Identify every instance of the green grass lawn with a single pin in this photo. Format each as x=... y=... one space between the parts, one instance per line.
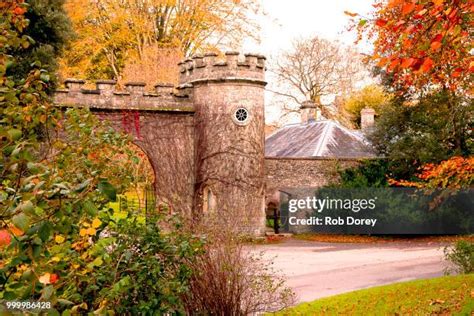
x=450 y=295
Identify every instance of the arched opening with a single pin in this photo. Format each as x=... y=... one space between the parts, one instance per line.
x=140 y=198
x=209 y=201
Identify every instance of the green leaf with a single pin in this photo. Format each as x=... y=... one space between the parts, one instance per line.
x=44 y=77
x=96 y=263
x=27 y=207
x=47 y=292
x=21 y=221
x=90 y=208
x=44 y=231
x=14 y=134
x=362 y=22
x=64 y=302
x=108 y=190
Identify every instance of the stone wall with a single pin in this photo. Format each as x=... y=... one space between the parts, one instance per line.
x=303 y=172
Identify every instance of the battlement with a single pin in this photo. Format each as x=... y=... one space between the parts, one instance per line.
x=165 y=97
x=234 y=66
x=200 y=68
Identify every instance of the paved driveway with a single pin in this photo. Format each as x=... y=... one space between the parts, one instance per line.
x=314 y=270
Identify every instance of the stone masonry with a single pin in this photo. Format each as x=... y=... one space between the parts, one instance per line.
x=204 y=138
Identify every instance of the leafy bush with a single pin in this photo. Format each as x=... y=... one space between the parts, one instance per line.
x=461 y=255
x=370 y=173
x=137 y=268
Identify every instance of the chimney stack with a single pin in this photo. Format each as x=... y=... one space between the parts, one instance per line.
x=309 y=112
x=367 y=118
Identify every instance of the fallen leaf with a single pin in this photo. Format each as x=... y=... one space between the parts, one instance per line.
x=45 y=278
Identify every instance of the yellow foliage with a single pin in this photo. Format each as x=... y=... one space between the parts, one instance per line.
x=59 y=239
x=113 y=34
x=96 y=223
x=372 y=96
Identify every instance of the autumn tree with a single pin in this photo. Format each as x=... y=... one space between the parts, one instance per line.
x=313 y=69
x=454 y=173
x=423 y=44
x=51 y=30
x=156 y=65
x=434 y=128
x=112 y=34
x=372 y=96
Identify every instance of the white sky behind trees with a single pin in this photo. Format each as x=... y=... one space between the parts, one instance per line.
x=286 y=20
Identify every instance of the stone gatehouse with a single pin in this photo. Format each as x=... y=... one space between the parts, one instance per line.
x=205 y=137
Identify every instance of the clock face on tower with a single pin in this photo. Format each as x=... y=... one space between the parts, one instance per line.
x=241 y=116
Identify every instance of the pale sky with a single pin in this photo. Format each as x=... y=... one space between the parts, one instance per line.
x=286 y=20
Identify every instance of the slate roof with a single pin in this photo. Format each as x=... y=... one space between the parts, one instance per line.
x=323 y=139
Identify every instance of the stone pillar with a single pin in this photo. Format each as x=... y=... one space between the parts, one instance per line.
x=74 y=85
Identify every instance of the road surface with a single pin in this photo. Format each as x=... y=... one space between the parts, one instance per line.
x=314 y=270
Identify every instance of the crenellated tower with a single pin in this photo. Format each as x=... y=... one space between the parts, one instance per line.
x=228 y=95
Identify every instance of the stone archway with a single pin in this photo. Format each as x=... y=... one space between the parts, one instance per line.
x=167 y=141
x=140 y=196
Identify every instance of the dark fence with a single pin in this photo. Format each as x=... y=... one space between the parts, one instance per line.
x=136 y=205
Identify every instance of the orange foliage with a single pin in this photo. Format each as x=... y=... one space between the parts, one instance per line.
x=5 y=238
x=454 y=173
x=423 y=43
x=155 y=65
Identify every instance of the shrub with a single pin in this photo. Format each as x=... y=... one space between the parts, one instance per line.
x=461 y=255
x=230 y=279
x=370 y=173
x=138 y=268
